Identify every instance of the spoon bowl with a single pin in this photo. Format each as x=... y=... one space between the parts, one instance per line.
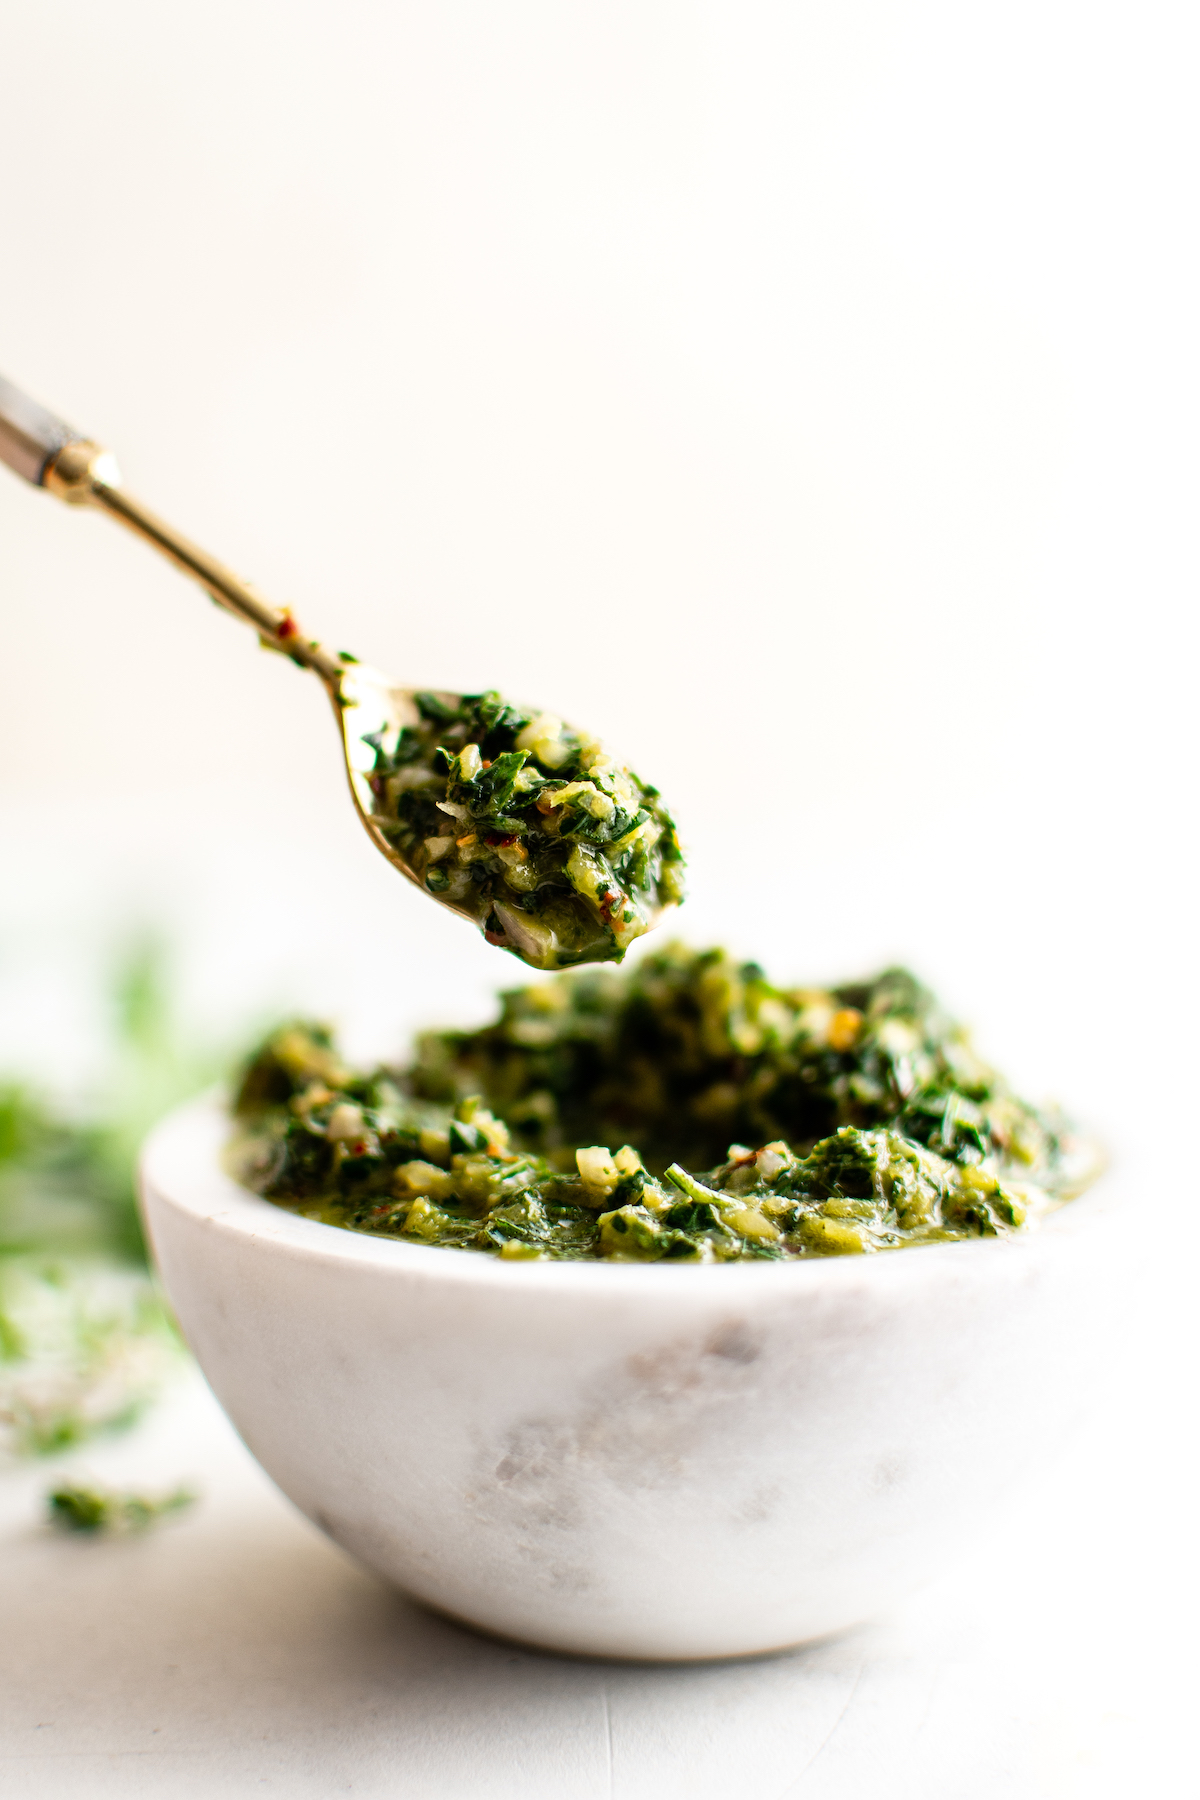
x=510 y=817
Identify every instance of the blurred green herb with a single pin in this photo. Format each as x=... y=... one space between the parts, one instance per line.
x=84 y=1340
x=74 y=1507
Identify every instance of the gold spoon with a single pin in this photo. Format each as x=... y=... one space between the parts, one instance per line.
x=549 y=886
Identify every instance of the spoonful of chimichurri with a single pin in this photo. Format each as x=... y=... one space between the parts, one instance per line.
x=511 y=818
x=501 y=812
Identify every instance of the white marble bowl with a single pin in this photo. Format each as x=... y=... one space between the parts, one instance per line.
x=634 y=1461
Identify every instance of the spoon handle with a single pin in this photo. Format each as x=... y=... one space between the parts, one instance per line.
x=43 y=450
x=30 y=437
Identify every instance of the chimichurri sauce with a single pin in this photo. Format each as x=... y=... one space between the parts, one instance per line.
x=527 y=826
x=822 y=1123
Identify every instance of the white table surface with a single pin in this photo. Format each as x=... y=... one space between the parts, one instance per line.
x=235 y=1652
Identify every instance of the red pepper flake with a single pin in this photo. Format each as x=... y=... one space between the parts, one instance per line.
x=500 y=843
x=493 y=931
x=287 y=626
x=608 y=899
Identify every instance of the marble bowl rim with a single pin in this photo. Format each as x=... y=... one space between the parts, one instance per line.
x=180 y=1162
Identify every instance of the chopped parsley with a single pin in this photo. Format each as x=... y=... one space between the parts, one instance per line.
x=526 y=826
x=877 y=1124
x=75 y=1507
x=85 y=1343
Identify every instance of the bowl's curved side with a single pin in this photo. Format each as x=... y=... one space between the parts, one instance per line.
x=633 y=1462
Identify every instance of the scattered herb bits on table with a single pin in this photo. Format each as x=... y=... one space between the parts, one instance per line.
x=822 y=1123
x=528 y=827
x=76 y=1506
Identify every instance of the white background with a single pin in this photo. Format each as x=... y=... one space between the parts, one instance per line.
x=803 y=395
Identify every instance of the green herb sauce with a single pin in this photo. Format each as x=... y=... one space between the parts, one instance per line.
x=876 y=1124
x=526 y=826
